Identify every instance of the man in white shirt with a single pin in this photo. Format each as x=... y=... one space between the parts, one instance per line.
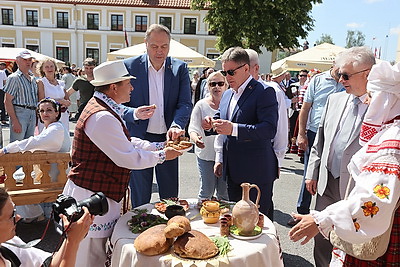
x=115 y=154
x=246 y=124
x=163 y=85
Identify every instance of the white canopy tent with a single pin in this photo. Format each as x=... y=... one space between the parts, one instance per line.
x=177 y=50
x=8 y=54
x=318 y=57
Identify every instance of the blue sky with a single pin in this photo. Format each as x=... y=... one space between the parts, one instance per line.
x=374 y=18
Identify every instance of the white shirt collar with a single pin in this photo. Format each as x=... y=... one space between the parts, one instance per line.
x=243 y=86
x=151 y=65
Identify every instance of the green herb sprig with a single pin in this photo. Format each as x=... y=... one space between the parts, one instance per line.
x=222 y=244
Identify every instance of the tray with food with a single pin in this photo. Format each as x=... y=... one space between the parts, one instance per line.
x=186 y=243
x=162 y=205
x=142 y=220
x=182 y=143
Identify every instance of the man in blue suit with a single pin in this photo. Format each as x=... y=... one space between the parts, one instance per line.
x=162 y=104
x=246 y=124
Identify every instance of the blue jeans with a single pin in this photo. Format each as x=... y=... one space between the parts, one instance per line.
x=27 y=119
x=304 y=201
x=209 y=182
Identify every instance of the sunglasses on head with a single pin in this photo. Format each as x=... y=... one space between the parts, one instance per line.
x=231 y=72
x=346 y=76
x=220 y=84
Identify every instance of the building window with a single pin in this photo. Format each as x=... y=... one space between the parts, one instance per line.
x=140 y=23
x=34 y=48
x=32 y=18
x=93 y=53
x=190 y=26
x=62 y=19
x=7 y=45
x=92 y=21
x=117 y=22
x=7 y=16
x=212 y=56
x=167 y=22
x=62 y=53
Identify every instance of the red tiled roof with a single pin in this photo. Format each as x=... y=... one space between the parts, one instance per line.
x=185 y=4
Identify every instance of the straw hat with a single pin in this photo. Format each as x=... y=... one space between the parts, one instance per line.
x=278 y=72
x=110 y=72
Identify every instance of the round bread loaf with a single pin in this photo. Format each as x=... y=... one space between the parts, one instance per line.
x=195 y=245
x=177 y=226
x=153 y=241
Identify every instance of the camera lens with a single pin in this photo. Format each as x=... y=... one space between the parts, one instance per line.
x=97 y=204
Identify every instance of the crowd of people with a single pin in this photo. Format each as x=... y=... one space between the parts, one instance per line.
x=241 y=123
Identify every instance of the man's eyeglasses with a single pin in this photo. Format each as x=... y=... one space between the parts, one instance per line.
x=346 y=76
x=14 y=216
x=231 y=72
x=220 y=84
x=303 y=75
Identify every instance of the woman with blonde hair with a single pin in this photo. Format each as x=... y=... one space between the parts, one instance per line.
x=49 y=86
x=204 y=149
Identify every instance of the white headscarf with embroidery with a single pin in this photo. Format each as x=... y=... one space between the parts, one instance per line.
x=384 y=84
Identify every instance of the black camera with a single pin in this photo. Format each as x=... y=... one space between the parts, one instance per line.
x=96 y=204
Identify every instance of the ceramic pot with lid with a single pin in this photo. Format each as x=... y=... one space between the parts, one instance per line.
x=210 y=211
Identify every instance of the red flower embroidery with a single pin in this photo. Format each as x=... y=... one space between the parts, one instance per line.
x=381 y=191
x=370 y=209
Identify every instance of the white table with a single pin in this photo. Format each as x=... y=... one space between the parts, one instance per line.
x=263 y=251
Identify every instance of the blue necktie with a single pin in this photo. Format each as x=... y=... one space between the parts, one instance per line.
x=344 y=134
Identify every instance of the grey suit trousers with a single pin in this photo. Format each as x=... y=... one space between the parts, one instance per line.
x=322 y=246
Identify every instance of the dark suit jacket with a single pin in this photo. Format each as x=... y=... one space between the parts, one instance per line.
x=249 y=157
x=177 y=93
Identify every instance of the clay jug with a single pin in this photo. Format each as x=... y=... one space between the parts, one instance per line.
x=245 y=212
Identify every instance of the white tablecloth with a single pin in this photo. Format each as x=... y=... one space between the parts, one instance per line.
x=263 y=251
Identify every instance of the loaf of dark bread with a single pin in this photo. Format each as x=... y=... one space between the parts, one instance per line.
x=195 y=245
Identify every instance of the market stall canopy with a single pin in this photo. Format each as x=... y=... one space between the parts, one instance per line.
x=177 y=50
x=318 y=57
x=8 y=54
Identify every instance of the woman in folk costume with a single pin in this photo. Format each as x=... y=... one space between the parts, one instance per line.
x=368 y=210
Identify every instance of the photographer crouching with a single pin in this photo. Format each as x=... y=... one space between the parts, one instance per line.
x=12 y=250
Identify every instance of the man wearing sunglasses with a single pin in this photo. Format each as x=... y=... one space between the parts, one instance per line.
x=337 y=138
x=319 y=88
x=246 y=123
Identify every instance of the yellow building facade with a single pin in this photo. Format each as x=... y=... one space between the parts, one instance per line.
x=73 y=30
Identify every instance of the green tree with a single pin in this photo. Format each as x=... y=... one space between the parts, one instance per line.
x=255 y=23
x=355 y=38
x=325 y=38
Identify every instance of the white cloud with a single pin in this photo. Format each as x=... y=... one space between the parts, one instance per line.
x=372 y=1
x=395 y=30
x=355 y=25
